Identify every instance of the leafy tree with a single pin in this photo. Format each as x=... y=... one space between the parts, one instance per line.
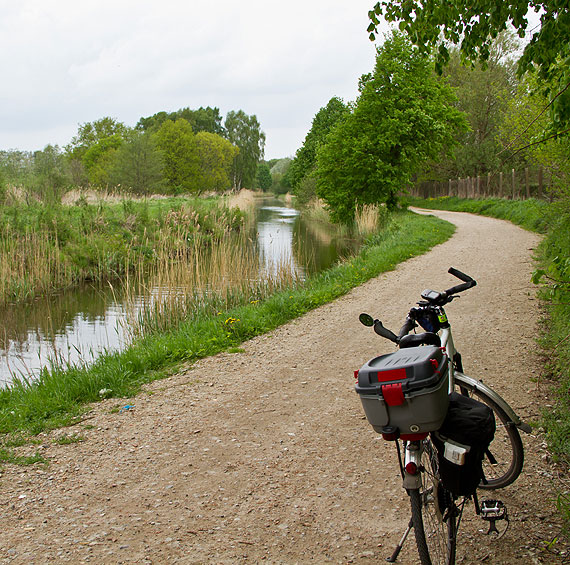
x=17 y=166
x=91 y=133
x=90 y=151
x=245 y=133
x=137 y=165
x=51 y=174
x=264 y=179
x=474 y=25
x=520 y=130
x=216 y=156
x=153 y=123
x=181 y=160
x=208 y=120
x=279 y=169
x=403 y=117
x=483 y=94
x=203 y=119
x=306 y=157
x=98 y=159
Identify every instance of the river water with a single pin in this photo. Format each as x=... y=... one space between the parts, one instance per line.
x=78 y=325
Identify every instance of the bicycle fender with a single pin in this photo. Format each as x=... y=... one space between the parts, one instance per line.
x=496 y=398
x=412 y=481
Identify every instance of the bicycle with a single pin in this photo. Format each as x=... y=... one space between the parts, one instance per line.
x=436 y=510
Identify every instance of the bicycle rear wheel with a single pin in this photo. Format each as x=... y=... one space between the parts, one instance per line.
x=434 y=513
x=504 y=459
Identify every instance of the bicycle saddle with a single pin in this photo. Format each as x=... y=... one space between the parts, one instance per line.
x=413 y=340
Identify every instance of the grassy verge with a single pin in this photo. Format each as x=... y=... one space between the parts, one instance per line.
x=530 y=214
x=59 y=397
x=553 y=276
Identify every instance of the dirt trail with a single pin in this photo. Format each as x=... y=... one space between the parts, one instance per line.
x=265 y=455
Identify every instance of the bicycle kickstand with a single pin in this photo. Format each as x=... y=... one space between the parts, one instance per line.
x=394 y=556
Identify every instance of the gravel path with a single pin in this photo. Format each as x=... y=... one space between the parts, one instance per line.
x=265 y=455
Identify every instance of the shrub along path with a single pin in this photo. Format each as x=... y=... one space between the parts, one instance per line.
x=265 y=455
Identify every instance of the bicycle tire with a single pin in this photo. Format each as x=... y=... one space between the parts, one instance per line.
x=433 y=514
x=504 y=459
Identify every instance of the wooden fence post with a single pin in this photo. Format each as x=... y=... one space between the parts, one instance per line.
x=514 y=184
x=501 y=184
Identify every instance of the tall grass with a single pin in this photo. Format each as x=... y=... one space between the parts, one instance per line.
x=203 y=278
x=315 y=211
x=369 y=218
x=58 y=397
x=46 y=248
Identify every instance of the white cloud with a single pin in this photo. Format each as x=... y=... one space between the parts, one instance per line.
x=70 y=62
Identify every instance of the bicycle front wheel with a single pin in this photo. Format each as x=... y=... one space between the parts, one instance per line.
x=434 y=513
x=503 y=461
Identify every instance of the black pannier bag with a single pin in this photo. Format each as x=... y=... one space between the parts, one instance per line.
x=461 y=442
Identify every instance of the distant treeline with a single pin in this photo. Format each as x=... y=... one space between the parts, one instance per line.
x=182 y=152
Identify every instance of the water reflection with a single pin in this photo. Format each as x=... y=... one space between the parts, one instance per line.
x=275 y=227
x=78 y=325
x=74 y=326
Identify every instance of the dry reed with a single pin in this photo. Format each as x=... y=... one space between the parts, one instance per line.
x=244 y=200
x=208 y=275
x=366 y=219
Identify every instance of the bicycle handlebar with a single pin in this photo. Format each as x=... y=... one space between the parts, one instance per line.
x=433 y=298
x=408 y=326
x=468 y=282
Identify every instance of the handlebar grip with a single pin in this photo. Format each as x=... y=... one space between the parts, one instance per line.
x=469 y=282
x=461 y=276
x=408 y=326
x=384 y=332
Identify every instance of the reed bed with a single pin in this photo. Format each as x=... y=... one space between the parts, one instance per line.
x=244 y=200
x=366 y=219
x=59 y=396
x=204 y=276
x=30 y=264
x=47 y=248
x=316 y=211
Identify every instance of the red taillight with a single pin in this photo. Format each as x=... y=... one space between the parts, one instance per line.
x=356 y=375
x=390 y=433
x=411 y=468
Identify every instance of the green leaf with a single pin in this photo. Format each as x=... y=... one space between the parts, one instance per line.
x=537 y=276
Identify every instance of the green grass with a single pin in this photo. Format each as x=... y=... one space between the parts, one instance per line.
x=59 y=396
x=8 y=456
x=531 y=214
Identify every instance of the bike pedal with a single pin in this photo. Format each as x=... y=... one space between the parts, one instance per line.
x=493 y=511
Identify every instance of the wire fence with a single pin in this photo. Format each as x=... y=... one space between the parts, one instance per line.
x=513 y=184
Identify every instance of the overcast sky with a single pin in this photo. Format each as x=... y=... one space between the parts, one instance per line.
x=67 y=62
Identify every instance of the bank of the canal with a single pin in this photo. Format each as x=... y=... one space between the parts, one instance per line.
x=59 y=395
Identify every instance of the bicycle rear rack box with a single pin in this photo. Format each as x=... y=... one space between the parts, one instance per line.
x=407 y=389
